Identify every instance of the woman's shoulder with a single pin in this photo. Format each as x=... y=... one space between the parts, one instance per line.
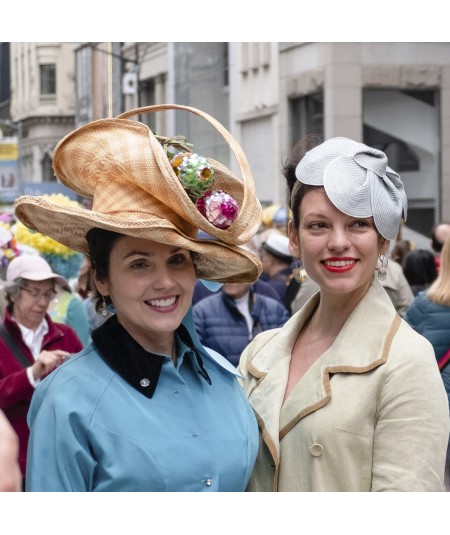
x=207 y=303
x=412 y=345
x=269 y=302
x=262 y=340
x=83 y=376
x=422 y=305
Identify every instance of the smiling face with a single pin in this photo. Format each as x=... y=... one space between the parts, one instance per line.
x=151 y=286
x=339 y=251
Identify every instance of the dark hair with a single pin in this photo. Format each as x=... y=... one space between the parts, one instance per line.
x=100 y=244
x=400 y=250
x=436 y=245
x=301 y=147
x=419 y=268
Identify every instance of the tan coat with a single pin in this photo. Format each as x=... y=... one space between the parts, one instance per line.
x=371 y=414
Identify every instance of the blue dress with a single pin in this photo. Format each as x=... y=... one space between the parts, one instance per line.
x=132 y=421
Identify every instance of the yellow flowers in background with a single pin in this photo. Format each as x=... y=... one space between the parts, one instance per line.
x=40 y=242
x=64 y=261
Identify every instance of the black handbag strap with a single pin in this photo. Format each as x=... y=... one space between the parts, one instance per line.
x=14 y=347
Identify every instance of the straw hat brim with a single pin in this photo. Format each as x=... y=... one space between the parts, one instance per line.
x=215 y=260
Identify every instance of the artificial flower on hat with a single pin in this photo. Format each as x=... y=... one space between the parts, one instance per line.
x=196 y=174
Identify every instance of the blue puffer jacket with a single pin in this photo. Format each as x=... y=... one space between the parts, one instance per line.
x=433 y=322
x=220 y=325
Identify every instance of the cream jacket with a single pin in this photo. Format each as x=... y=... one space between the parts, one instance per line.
x=371 y=414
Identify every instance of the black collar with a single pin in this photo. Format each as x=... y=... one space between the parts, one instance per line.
x=138 y=367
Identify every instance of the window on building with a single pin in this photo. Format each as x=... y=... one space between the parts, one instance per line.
x=47 y=75
x=405 y=125
x=401 y=156
x=307 y=116
x=226 y=61
x=147 y=98
x=47 y=171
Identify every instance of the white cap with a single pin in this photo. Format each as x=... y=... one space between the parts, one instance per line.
x=33 y=268
x=278 y=245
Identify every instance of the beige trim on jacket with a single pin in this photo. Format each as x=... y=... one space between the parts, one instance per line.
x=371 y=414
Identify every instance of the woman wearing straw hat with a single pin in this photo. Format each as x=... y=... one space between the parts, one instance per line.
x=347 y=396
x=146 y=407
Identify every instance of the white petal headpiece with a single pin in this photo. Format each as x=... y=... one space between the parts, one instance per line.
x=358 y=182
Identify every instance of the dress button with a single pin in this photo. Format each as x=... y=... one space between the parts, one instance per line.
x=144 y=382
x=207 y=482
x=316 y=450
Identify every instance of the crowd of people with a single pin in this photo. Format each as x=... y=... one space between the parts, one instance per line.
x=213 y=352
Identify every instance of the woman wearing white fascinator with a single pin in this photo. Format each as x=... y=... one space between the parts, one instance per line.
x=347 y=396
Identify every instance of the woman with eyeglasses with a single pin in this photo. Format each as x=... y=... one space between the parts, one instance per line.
x=31 y=344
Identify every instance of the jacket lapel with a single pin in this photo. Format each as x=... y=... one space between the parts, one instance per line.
x=357 y=349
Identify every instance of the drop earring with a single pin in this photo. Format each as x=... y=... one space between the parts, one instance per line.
x=381 y=271
x=103 y=309
x=298 y=271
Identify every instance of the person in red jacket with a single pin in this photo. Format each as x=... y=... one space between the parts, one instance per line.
x=31 y=344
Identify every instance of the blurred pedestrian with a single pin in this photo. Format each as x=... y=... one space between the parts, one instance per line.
x=68 y=308
x=145 y=407
x=31 y=344
x=348 y=396
x=401 y=249
x=420 y=270
x=203 y=289
x=260 y=287
x=396 y=285
x=229 y=320
x=439 y=233
x=277 y=267
x=429 y=315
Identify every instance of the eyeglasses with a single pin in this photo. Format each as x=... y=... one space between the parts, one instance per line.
x=36 y=294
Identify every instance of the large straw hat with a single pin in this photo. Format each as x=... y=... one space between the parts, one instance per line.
x=127 y=172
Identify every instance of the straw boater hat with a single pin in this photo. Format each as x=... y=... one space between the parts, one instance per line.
x=152 y=187
x=278 y=246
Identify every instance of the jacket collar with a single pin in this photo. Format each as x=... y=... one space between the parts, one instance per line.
x=353 y=351
x=53 y=330
x=141 y=369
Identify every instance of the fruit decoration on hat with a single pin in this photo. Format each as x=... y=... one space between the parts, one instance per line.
x=196 y=175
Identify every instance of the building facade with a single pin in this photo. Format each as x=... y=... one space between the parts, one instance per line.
x=393 y=96
x=42 y=106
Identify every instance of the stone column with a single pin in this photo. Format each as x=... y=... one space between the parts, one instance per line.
x=343 y=90
x=445 y=144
